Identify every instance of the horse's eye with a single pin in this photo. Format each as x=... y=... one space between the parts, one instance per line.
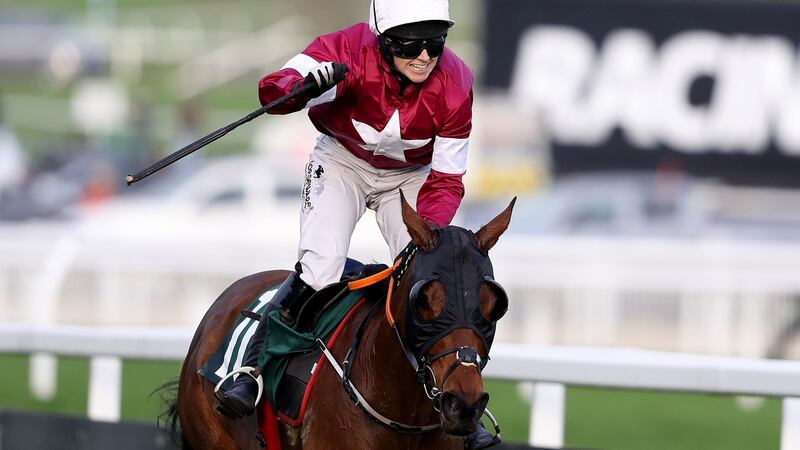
x=428 y=299
x=494 y=301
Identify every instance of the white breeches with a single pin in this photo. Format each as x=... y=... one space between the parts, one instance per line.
x=337 y=190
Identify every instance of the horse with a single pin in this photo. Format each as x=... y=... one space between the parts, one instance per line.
x=416 y=369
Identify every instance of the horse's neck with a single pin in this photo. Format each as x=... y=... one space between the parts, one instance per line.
x=391 y=384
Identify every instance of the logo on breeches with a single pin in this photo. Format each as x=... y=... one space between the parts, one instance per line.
x=307 y=206
x=313 y=185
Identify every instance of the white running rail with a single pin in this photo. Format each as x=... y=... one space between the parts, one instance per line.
x=551 y=368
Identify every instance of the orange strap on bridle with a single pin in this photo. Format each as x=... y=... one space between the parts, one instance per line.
x=389 y=316
x=373 y=279
x=376 y=278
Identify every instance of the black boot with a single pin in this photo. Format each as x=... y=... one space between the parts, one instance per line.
x=240 y=399
x=481 y=438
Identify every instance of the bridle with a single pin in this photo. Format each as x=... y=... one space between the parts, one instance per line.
x=465 y=355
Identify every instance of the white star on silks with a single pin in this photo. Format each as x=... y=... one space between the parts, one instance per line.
x=388 y=142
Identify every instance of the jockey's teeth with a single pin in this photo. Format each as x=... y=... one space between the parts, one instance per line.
x=419 y=67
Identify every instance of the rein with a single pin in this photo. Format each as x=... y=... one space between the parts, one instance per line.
x=343 y=370
x=466 y=356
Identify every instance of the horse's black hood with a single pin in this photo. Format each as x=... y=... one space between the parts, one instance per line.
x=462 y=268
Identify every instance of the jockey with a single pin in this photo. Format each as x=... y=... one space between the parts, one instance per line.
x=400 y=119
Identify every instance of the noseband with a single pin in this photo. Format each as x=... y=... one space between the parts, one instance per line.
x=465 y=356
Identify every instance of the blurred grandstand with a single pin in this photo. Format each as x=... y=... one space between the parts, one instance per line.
x=654 y=147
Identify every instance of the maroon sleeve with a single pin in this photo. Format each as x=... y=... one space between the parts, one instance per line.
x=276 y=85
x=439 y=197
x=441 y=194
x=334 y=47
x=459 y=120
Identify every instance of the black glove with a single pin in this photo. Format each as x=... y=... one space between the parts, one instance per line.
x=324 y=76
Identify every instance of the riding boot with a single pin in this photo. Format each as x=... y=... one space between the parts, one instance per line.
x=240 y=399
x=480 y=438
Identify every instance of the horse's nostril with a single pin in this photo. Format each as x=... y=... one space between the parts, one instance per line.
x=458 y=418
x=454 y=407
x=451 y=405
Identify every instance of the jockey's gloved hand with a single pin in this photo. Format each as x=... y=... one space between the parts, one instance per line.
x=324 y=76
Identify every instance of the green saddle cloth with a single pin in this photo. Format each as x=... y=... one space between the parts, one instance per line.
x=280 y=342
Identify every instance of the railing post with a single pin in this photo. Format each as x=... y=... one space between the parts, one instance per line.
x=105 y=388
x=547 y=415
x=45 y=292
x=790 y=424
x=43 y=376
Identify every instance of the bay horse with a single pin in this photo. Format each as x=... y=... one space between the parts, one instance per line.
x=438 y=402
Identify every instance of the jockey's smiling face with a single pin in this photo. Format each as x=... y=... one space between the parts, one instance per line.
x=418 y=69
x=415 y=47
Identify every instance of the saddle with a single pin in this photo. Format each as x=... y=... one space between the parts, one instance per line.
x=300 y=368
x=322 y=301
x=290 y=357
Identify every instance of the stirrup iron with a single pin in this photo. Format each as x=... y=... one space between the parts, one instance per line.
x=249 y=372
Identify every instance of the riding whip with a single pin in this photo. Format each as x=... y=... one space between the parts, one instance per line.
x=213 y=136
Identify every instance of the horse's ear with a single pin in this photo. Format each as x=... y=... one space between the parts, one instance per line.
x=421 y=234
x=487 y=236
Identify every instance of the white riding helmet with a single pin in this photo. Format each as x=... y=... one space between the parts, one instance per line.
x=392 y=13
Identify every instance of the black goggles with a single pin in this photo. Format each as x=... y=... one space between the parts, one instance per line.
x=411 y=48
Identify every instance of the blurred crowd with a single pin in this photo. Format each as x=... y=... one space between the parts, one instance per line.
x=86 y=169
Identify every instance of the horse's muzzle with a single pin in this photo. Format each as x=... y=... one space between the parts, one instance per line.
x=458 y=418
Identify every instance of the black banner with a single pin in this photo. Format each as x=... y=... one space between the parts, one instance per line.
x=37 y=431
x=712 y=88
